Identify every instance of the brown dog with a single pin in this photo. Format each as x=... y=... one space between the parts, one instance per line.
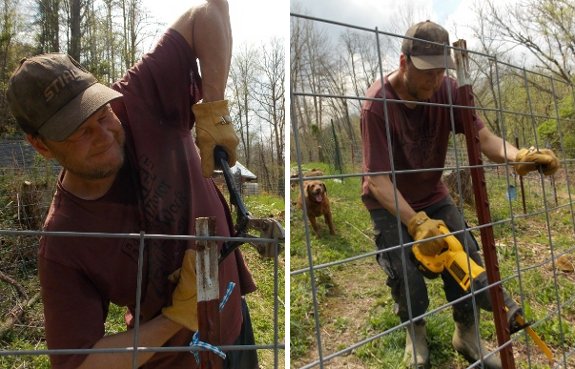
x=317 y=204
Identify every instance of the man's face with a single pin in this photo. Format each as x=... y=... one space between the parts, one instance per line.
x=422 y=84
x=95 y=150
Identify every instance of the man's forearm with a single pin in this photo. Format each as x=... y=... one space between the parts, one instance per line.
x=152 y=333
x=385 y=192
x=207 y=30
x=495 y=148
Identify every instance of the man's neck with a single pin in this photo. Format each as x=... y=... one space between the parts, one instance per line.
x=397 y=82
x=87 y=189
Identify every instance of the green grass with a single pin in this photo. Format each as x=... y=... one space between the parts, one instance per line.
x=367 y=305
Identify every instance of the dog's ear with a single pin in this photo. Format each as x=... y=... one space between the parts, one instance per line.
x=324 y=187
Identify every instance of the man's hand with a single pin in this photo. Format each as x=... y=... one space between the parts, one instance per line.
x=533 y=159
x=420 y=227
x=214 y=127
x=184 y=308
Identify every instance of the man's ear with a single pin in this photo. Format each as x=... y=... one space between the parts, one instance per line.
x=403 y=60
x=39 y=146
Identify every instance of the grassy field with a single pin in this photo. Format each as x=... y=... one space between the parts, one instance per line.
x=354 y=306
x=17 y=258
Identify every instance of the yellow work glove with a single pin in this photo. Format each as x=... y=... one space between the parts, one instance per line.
x=420 y=227
x=214 y=127
x=184 y=308
x=533 y=159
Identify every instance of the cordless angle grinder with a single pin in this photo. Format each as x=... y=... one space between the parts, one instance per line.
x=466 y=273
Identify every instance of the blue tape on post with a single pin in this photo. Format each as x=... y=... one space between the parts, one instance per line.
x=227 y=295
x=196 y=343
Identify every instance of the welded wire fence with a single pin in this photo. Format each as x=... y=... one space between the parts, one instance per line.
x=27 y=184
x=342 y=312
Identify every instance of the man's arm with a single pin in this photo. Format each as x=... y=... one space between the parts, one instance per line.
x=153 y=333
x=207 y=30
x=526 y=160
x=182 y=313
x=383 y=190
x=492 y=147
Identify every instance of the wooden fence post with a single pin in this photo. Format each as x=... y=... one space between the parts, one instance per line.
x=208 y=292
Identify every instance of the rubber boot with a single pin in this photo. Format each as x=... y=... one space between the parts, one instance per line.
x=416 y=338
x=466 y=342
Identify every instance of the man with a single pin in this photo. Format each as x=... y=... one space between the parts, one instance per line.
x=418 y=139
x=129 y=166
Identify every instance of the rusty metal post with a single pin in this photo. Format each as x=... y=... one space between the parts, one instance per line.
x=208 y=292
x=482 y=204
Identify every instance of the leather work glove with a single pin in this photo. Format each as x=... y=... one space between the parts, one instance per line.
x=214 y=127
x=184 y=308
x=420 y=227
x=532 y=159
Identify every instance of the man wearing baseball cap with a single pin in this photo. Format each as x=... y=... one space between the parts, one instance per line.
x=130 y=166
x=408 y=139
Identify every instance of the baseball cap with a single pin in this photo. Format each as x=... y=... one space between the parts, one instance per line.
x=52 y=95
x=427 y=55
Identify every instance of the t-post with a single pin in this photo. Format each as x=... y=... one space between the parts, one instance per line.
x=482 y=204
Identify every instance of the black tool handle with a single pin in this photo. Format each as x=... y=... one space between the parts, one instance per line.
x=221 y=159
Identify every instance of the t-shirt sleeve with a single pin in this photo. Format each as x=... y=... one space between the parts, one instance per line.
x=375 y=144
x=73 y=310
x=166 y=81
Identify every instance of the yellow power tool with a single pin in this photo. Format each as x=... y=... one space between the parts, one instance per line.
x=466 y=271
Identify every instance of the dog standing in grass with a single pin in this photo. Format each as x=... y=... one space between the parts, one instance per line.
x=317 y=204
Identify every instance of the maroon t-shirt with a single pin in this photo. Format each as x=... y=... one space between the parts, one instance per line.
x=160 y=190
x=419 y=139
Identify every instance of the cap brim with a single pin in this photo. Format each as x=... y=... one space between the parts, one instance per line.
x=432 y=62
x=72 y=115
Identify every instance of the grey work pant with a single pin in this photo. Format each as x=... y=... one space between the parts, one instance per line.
x=404 y=278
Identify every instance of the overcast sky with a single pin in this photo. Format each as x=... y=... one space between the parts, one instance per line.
x=454 y=15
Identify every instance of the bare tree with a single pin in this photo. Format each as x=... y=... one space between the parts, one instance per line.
x=271 y=94
x=311 y=51
x=546 y=28
x=505 y=34
x=242 y=78
x=362 y=64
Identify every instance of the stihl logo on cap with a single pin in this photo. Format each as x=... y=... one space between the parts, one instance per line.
x=60 y=83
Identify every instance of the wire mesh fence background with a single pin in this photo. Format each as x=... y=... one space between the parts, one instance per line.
x=342 y=313
x=26 y=187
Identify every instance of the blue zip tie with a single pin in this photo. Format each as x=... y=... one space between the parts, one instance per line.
x=196 y=338
x=227 y=295
x=196 y=343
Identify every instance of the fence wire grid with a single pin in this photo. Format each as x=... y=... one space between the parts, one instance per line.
x=27 y=185
x=341 y=311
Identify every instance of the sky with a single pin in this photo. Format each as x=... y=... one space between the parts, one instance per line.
x=454 y=15
x=253 y=21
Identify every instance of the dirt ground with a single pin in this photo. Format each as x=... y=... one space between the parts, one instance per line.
x=344 y=313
